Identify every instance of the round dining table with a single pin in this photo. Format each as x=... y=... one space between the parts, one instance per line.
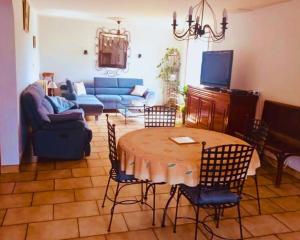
x=150 y=154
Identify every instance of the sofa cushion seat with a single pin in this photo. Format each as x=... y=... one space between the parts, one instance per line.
x=90 y=104
x=132 y=100
x=109 y=98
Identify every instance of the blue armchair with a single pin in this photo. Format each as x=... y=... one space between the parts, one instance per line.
x=63 y=139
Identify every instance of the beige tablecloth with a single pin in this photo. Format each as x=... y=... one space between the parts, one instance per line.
x=150 y=154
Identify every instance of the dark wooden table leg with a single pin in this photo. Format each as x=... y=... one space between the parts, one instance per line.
x=172 y=194
x=280 y=159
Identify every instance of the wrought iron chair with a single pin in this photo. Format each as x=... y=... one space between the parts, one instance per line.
x=256 y=134
x=222 y=175
x=159 y=116
x=120 y=177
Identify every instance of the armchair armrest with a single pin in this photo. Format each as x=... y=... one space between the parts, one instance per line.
x=68 y=125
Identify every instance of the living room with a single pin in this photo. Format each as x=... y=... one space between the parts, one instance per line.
x=63 y=37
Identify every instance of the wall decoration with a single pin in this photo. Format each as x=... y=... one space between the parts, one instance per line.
x=26 y=15
x=112 y=50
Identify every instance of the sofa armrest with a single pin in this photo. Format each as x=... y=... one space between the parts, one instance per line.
x=68 y=125
x=69 y=96
x=149 y=96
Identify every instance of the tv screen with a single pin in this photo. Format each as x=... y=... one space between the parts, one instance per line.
x=216 y=68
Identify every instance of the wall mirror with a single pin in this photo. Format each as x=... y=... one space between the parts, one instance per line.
x=113 y=48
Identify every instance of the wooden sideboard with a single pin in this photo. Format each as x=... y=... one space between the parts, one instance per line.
x=220 y=111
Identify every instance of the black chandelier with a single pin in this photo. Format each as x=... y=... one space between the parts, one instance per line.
x=196 y=27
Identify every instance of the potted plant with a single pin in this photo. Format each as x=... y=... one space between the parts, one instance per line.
x=183 y=92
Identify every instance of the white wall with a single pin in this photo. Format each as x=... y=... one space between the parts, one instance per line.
x=18 y=67
x=63 y=40
x=267 y=51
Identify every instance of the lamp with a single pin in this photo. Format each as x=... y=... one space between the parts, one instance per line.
x=52 y=85
x=196 y=27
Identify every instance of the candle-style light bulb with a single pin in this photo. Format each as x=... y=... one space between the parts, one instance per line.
x=197 y=20
x=190 y=11
x=225 y=14
x=174 y=15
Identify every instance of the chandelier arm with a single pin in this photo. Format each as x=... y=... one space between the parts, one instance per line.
x=214 y=35
x=178 y=35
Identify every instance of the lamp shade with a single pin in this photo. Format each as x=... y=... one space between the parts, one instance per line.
x=52 y=85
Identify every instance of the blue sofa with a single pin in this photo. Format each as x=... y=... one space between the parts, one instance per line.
x=63 y=139
x=111 y=93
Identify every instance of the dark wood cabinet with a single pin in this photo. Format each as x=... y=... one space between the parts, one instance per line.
x=220 y=111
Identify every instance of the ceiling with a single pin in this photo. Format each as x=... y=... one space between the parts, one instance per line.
x=137 y=9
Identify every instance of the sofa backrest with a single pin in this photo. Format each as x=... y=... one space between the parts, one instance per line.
x=36 y=106
x=115 y=86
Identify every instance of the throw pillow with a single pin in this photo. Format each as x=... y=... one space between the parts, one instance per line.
x=63 y=117
x=80 y=88
x=138 y=90
x=60 y=104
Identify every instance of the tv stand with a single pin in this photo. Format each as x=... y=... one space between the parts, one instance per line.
x=226 y=112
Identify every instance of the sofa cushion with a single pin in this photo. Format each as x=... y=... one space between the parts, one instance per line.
x=132 y=100
x=129 y=82
x=89 y=87
x=101 y=82
x=113 y=91
x=109 y=98
x=70 y=86
x=90 y=104
x=80 y=88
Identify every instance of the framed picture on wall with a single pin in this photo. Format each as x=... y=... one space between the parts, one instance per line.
x=26 y=15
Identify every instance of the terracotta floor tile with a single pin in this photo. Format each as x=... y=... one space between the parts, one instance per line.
x=6 y=188
x=121 y=208
x=75 y=209
x=263 y=225
x=101 y=181
x=289 y=236
x=69 y=183
x=85 y=172
x=17 y=177
x=129 y=191
x=100 y=237
x=97 y=225
x=25 y=167
x=15 y=200
x=285 y=189
x=143 y=219
x=98 y=163
x=185 y=211
x=183 y=232
x=71 y=164
x=91 y=193
x=134 y=235
x=54 y=174
x=160 y=201
x=290 y=219
x=53 y=230
x=53 y=197
x=17 y=232
x=35 y=186
x=229 y=228
x=264 y=192
x=2 y=214
x=28 y=214
x=291 y=203
x=267 y=207
x=270 y=237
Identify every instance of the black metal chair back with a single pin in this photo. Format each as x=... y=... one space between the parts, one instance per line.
x=113 y=155
x=225 y=167
x=256 y=134
x=159 y=116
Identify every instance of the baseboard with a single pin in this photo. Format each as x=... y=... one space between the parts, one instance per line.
x=10 y=169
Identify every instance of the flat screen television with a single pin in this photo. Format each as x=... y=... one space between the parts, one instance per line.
x=216 y=69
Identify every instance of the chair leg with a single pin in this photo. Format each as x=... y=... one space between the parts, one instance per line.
x=106 y=191
x=142 y=193
x=257 y=194
x=197 y=222
x=176 y=212
x=153 y=217
x=240 y=220
x=217 y=216
x=113 y=207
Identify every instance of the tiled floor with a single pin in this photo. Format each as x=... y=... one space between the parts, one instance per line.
x=62 y=200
